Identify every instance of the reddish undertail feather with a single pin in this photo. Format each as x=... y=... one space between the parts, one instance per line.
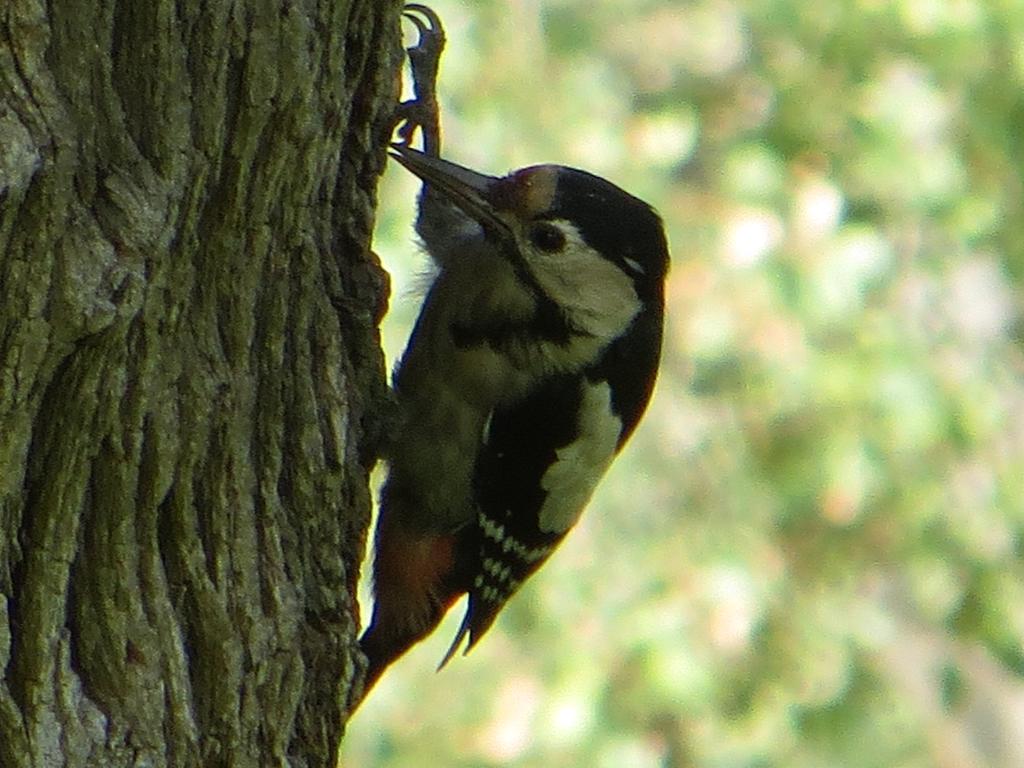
x=412 y=592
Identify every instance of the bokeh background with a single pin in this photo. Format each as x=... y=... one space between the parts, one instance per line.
x=810 y=553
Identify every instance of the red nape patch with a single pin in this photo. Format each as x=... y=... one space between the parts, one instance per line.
x=528 y=192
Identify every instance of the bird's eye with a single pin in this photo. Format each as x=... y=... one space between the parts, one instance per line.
x=547 y=237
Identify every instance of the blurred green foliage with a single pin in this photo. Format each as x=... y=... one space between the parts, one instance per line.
x=810 y=554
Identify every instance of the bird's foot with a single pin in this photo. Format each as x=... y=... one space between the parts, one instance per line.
x=424 y=57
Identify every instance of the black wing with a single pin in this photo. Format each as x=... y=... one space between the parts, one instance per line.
x=516 y=532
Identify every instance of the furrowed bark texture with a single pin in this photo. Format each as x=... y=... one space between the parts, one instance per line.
x=190 y=375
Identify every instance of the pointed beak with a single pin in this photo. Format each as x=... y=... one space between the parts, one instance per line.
x=469 y=190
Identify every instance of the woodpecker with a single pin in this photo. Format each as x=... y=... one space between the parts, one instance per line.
x=531 y=362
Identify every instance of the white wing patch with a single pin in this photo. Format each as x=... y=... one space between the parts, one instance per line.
x=578 y=467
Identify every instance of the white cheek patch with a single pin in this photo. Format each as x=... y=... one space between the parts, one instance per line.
x=596 y=295
x=578 y=467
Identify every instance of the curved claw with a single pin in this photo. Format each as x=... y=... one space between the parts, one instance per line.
x=431 y=34
x=433 y=20
x=409 y=121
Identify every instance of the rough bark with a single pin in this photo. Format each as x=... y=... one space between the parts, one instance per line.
x=190 y=375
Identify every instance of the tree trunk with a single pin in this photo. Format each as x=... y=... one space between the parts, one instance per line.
x=190 y=376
